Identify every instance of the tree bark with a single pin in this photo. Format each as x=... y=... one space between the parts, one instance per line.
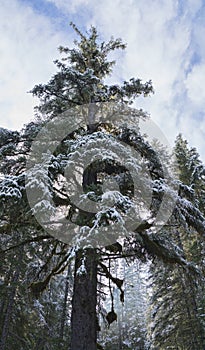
x=7 y=319
x=63 y=317
x=83 y=317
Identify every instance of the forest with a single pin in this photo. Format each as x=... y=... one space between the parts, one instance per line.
x=101 y=230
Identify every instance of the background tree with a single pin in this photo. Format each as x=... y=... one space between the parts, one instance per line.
x=129 y=331
x=177 y=302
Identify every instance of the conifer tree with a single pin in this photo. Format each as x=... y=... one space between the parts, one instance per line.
x=80 y=81
x=177 y=302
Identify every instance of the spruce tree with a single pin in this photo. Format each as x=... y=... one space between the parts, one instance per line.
x=80 y=81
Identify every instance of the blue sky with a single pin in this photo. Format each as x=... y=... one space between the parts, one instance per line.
x=165 y=43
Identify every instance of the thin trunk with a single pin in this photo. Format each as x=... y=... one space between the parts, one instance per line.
x=119 y=318
x=195 y=328
x=83 y=318
x=63 y=318
x=119 y=332
x=7 y=319
x=3 y=301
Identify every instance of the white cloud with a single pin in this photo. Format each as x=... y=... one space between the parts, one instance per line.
x=195 y=85
x=71 y=6
x=165 y=43
x=28 y=47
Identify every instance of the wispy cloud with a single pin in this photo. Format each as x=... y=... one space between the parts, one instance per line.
x=165 y=43
x=28 y=46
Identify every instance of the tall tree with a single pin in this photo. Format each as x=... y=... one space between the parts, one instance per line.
x=79 y=82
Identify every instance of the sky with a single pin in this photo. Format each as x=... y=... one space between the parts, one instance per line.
x=165 y=43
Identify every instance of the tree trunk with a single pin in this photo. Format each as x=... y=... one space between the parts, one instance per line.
x=83 y=317
x=63 y=317
x=7 y=319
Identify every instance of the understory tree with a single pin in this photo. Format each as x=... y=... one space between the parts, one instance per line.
x=176 y=319
x=130 y=329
